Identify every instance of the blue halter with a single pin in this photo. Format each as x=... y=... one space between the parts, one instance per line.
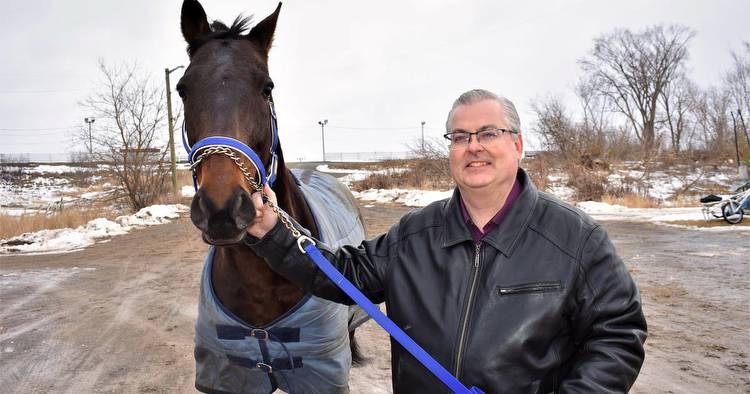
x=240 y=147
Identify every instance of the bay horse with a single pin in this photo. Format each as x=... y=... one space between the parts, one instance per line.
x=256 y=331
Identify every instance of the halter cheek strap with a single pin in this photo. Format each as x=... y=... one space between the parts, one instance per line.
x=195 y=152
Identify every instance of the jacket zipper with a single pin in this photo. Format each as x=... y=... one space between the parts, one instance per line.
x=469 y=307
x=530 y=287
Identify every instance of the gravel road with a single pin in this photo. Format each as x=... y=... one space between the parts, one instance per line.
x=118 y=316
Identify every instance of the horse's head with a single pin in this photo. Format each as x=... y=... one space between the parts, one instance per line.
x=226 y=92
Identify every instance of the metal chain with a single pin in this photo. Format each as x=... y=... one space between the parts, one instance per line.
x=249 y=178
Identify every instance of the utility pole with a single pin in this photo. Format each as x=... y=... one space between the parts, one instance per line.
x=423 y=137
x=90 y=121
x=742 y=165
x=323 y=124
x=736 y=144
x=744 y=127
x=172 y=155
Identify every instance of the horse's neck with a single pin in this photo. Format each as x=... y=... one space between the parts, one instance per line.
x=243 y=281
x=293 y=202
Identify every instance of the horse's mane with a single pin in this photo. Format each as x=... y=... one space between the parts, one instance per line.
x=220 y=31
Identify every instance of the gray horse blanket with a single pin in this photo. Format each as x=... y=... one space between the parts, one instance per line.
x=305 y=351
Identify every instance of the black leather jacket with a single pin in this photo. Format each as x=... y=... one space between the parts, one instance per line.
x=543 y=304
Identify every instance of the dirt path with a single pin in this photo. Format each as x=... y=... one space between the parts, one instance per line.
x=118 y=316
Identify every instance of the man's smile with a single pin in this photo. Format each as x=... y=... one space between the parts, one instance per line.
x=478 y=164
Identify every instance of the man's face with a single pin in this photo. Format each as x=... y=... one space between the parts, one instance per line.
x=488 y=168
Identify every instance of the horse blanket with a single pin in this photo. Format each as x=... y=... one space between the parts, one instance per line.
x=304 y=351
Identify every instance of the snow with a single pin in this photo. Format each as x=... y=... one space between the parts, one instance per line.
x=325 y=168
x=187 y=191
x=356 y=175
x=597 y=210
x=48 y=278
x=70 y=240
x=31 y=191
x=18 y=200
x=408 y=197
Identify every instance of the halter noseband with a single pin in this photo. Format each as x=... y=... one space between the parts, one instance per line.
x=229 y=146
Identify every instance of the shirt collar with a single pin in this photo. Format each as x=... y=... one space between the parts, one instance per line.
x=515 y=191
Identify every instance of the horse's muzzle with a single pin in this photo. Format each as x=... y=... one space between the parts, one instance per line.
x=222 y=223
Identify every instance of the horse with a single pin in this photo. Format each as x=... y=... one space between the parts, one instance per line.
x=256 y=332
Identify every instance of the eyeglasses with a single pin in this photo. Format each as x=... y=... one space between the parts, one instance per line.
x=486 y=137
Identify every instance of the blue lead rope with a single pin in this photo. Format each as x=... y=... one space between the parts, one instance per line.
x=388 y=325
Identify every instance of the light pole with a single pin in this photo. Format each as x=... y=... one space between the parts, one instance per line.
x=423 y=137
x=90 y=121
x=172 y=156
x=323 y=124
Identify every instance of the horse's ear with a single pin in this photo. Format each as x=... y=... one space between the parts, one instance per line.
x=262 y=33
x=193 y=20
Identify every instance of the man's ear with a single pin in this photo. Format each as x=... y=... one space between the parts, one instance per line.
x=262 y=33
x=193 y=20
x=518 y=141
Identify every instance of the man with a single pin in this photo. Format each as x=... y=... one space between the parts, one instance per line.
x=510 y=289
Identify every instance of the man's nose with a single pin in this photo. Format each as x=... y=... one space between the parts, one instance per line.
x=474 y=144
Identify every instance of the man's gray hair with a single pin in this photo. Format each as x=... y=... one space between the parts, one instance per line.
x=476 y=95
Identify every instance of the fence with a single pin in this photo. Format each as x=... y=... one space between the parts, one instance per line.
x=35 y=157
x=367 y=156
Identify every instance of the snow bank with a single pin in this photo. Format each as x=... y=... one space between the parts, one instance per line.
x=70 y=240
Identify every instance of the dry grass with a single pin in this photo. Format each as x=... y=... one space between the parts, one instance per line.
x=184 y=178
x=421 y=174
x=710 y=223
x=372 y=166
x=11 y=226
x=631 y=200
x=539 y=169
x=74 y=215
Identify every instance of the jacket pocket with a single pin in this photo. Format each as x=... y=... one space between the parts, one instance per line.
x=536 y=287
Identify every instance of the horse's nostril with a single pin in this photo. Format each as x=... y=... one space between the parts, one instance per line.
x=244 y=211
x=198 y=212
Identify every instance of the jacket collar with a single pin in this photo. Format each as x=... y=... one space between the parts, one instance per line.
x=504 y=236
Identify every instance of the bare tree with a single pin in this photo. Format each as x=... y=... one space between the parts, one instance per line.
x=737 y=82
x=737 y=79
x=129 y=111
x=677 y=102
x=713 y=122
x=557 y=130
x=577 y=142
x=594 y=106
x=633 y=68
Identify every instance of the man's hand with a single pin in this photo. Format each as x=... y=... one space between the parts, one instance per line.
x=265 y=217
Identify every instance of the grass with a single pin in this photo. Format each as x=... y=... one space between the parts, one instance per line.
x=631 y=200
x=420 y=174
x=11 y=226
x=710 y=223
x=74 y=216
x=372 y=166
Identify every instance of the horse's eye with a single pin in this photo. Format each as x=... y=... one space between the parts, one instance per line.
x=181 y=91
x=267 y=90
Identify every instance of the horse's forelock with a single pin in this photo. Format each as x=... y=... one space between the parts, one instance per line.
x=220 y=31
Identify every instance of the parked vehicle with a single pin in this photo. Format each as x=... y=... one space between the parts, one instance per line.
x=731 y=208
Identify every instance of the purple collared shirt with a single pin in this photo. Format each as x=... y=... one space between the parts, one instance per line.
x=478 y=234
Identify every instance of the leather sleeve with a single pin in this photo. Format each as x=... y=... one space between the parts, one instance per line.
x=609 y=325
x=363 y=265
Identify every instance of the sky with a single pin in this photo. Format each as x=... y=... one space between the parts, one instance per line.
x=374 y=70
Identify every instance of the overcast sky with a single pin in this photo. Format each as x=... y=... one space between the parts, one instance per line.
x=375 y=70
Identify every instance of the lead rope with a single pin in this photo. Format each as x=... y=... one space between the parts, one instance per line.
x=317 y=257
x=371 y=309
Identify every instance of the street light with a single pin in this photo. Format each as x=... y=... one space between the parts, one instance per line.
x=90 y=121
x=172 y=155
x=323 y=124
x=423 y=137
